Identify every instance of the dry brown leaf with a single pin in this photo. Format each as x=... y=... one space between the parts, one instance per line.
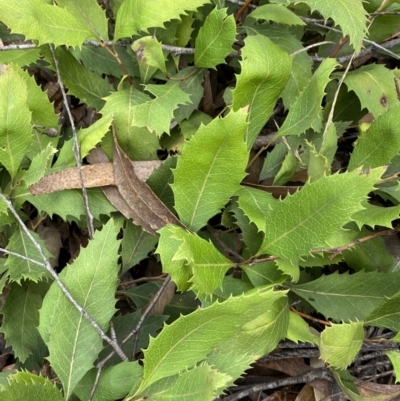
x=96 y=175
x=147 y=210
x=163 y=300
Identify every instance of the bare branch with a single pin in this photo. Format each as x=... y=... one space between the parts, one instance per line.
x=77 y=153
x=62 y=286
x=22 y=257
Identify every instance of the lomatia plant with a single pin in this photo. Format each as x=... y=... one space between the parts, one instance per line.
x=279 y=123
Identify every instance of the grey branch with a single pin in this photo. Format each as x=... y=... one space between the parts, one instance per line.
x=77 y=153
x=62 y=286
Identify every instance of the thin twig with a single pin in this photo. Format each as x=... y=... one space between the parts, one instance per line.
x=63 y=288
x=22 y=257
x=134 y=332
x=77 y=152
x=307 y=377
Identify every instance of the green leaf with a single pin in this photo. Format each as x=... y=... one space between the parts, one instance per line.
x=168 y=245
x=347 y=384
x=92 y=280
x=349 y=14
x=299 y=330
x=386 y=314
x=215 y=39
x=264 y=274
x=348 y=297
x=375 y=215
x=38 y=167
x=21 y=316
x=190 y=80
x=265 y=70
x=89 y=14
x=43 y=22
x=15 y=117
x=139 y=15
x=86 y=85
x=136 y=244
x=300 y=73
x=134 y=141
x=310 y=216
x=210 y=169
x=251 y=237
x=371 y=149
x=208 y=266
x=27 y=386
x=276 y=13
x=305 y=112
x=255 y=204
x=149 y=51
x=156 y=114
x=199 y=383
x=374 y=87
x=68 y=204
x=115 y=382
x=20 y=57
x=19 y=268
x=394 y=357
x=233 y=314
x=340 y=344
x=91 y=136
x=42 y=109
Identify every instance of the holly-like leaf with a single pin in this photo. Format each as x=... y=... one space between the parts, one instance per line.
x=348 y=297
x=371 y=149
x=139 y=15
x=299 y=330
x=210 y=169
x=204 y=382
x=67 y=204
x=149 y=51
x=90 y=15
x=340 y=344
x=255 y=204
x=168 y=245
x=394 y=357
x=374 y=87
x=38 y=167
x=349 y=14
x=189 y=80
x=19 y=268
x=135 y=141
x=300 y=72
x=15 y=126
x=386 y=314
x=136 y=244
x=91 y=136
x=240 y=315
x=310 y=216
x=276 y=13
x=156 y=114
x=73 y=342
x=208 y=266
x=265 y=70
x=86 y=85
x=21 y=316
x=215 y=39
x=25 y=386
x=305 y=112
x=43 y=22
x=374 y=215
